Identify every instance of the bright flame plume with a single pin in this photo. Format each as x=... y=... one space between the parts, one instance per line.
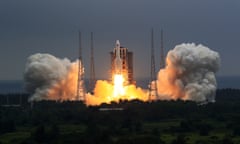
x=118 y=86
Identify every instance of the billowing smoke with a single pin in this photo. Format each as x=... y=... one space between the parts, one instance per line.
x=50 y=78
x=189 y=74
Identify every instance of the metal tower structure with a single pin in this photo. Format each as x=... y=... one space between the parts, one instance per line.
x=92 y=68
x=152 y=83
x=80 y=81
x=162 y=59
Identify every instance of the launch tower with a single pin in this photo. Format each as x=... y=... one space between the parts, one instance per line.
x=152 y=84
x=80 y=81
x=162 y=62
x=92 y=80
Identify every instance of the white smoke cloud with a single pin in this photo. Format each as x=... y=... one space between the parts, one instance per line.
x=48 y=77
x=189 y=74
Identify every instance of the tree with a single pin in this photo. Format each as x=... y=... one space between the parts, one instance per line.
x=39 y=135
x=181 y=139
x=7 y=126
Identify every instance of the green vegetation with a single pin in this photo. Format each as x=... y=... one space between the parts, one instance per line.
x=161 y=122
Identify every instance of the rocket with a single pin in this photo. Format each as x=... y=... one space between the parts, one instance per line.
x=118 y=60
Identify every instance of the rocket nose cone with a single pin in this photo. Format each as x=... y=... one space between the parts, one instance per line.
x=117 y=42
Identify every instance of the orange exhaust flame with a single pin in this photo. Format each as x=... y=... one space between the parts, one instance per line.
x=106 y=92
x=118 y=89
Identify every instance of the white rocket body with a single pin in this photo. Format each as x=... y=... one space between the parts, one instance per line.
x=118 y=60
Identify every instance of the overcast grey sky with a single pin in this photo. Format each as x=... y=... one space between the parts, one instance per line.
x=51 y=26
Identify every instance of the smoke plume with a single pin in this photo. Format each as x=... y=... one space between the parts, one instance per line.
x=189 y=74
x=50 y=78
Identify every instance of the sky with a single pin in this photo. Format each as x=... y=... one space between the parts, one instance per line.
x=51 y=26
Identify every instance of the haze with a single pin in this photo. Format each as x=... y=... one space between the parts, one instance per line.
x=51 y=26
